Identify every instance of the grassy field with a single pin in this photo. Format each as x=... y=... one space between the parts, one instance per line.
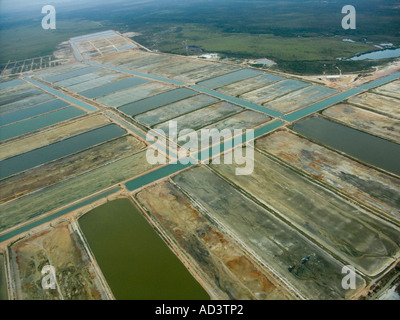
x=258 y=45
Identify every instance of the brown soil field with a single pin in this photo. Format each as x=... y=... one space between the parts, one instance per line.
x=391 y=89
x=359 y=238
x=371 y=122
x=60 y=247
x=378 y=103
x=368 y=185
x=229 y=270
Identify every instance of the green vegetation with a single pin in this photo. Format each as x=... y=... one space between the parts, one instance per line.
x=30 y=40
x=301 y=36
x=255 y=45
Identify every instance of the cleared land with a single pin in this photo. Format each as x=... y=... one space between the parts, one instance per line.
x=378 y=103
x=307 y=268
x=360 y=239
x=364 y=120
x=229 y=270
x=391 y=89
x=367 y=185
x=60 y=247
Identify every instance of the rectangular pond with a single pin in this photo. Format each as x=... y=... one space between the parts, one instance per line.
x=10 y=97
x=59 y=149
x=39 y=122
x=156 y=101
x=71 y=74
x=11 y=83
x=31 y=112
x=135 y=261
x=300 y=98
x=273 y=91
x=176 y=109
x=112 y=87
x=229 y=78
x=83 y=86
x=366 y=147
x=25 y=103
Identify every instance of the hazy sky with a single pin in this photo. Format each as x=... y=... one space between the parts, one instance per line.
x=9 y=6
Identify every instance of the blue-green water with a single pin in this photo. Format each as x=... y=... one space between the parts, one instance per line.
x=321 y=105
x=113 y=87
x=135 y=73
x=229 y=78
x=61 y=95
x=39 y=122
x=368 y=148
x=376 y=55
x=71 y=74
x=247 y=104
x=11 y=83
x=58 y=149
x=135 y=261
x=31 y=112
x=153 y=102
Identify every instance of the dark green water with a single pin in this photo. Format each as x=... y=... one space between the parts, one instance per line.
x=135 y=261
x=371 y=149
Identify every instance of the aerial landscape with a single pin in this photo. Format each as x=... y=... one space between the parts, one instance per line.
x=200 y=150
